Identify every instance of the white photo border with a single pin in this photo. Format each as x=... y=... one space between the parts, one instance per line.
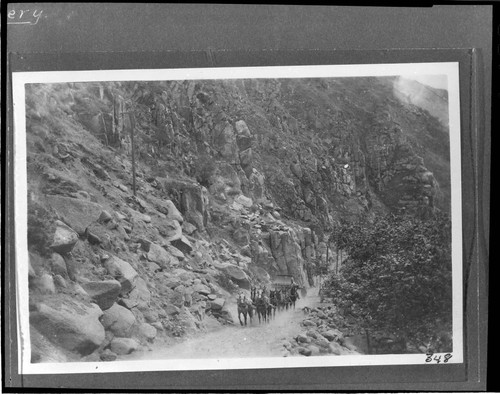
x=20 y=79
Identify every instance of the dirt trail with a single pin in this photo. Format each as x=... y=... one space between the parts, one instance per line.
x=253 y=340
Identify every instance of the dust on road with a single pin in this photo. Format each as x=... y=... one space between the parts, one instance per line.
x=253 y=340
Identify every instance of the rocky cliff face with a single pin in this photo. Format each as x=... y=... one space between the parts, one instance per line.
x=237 y=181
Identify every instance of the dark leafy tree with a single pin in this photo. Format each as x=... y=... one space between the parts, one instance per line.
x=397 y=278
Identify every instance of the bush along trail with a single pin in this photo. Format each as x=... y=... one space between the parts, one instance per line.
x=139 y=247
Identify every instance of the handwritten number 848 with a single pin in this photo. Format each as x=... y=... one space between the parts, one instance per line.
x=437 y=358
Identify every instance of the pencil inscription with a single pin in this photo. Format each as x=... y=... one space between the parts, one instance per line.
x=23 y=17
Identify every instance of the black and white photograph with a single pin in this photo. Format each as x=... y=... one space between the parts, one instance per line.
x=237 y=218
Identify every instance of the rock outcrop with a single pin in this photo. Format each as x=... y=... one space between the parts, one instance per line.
x=236 y=182
x=71 y=324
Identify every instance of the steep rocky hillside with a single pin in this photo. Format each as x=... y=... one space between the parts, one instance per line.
x=236 y=182
x=433 y=100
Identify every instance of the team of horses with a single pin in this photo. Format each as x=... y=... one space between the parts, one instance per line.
x=265 y=303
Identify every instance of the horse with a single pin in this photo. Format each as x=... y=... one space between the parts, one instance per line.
x=286 y=300
x=251 y=310
x=294 y=295
x=282 y=303
x=244 y=309
x=261 y=306
x=273 y=303
x=253 y=294
x=271 y=311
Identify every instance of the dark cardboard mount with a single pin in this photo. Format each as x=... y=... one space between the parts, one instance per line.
x=420 y=377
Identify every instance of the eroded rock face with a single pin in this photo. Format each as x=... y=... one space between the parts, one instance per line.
x=288 y=254
x=225 y=182
x=225 y=140
x=71 y=324
x=193 y=200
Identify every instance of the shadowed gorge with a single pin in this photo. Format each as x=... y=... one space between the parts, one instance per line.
x=151 y=205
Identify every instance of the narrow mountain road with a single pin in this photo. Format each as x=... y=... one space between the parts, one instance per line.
x=253 y=340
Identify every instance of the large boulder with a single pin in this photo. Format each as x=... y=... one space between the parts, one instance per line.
x=71 y=324
x=241 y=236
x=172 y=211
x=159 y=255
x=146 y=331
x=183 y=244
x=238 y=276
x=336 y=348
x=304 y=351
x=98 y=234
x=171 y=281
x=225 y=182
x=193 y=198
x=309 y=323
x=45 y=284
x=243 y=135
x=107 y=355
x=287 y=253
x=175 y=252
x=202 y=289
x=171 y=229
x=246 y=160
x=119 y=321
x=64 y=238
x=123 y=272
x=76 y=213
x=43 y=350
x=122 y=346
x=314 y=350
x=217 y=304
x=245 y=201
x=256 y=186
x=103 y=293
x=321 y=341
x=188 y=228
x=138 y=216
x=303 y=338
x=194 y=204
x=225 y=140
x=140 y=295
x=333 y=335
x=196 y=218
x=58 y=265
x=31 y=270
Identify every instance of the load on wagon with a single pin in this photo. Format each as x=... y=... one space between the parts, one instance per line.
x=284 y=282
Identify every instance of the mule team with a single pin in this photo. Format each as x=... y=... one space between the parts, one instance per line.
x=264 y=302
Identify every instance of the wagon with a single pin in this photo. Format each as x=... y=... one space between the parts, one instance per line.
x=284 y=282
